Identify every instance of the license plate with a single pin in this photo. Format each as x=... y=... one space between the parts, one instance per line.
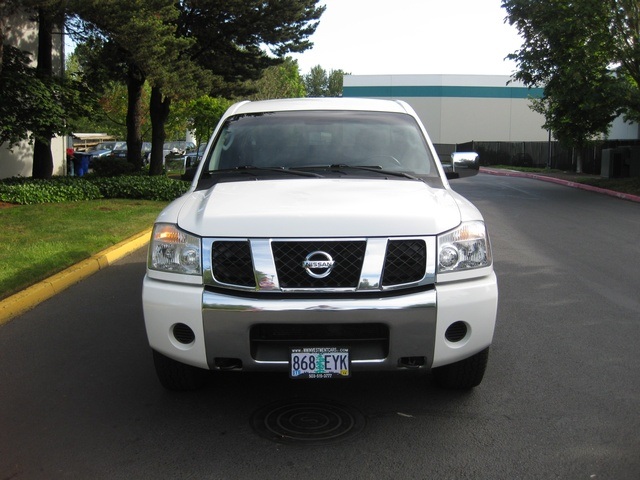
x=319 y=362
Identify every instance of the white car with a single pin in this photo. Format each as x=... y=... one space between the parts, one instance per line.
x=320 y=238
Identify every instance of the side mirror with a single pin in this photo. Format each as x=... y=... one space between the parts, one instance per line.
x=463 y=164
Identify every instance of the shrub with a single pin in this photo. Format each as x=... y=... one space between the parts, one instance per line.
x=141 y=187
x=111 y=167
x=24 y=191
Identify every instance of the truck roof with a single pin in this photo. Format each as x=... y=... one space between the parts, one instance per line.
x=333 y=103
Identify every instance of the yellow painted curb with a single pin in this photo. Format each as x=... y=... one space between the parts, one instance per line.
x=25 y=300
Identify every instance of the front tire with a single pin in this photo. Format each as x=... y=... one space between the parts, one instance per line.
x=176 y=376
x=462 y=375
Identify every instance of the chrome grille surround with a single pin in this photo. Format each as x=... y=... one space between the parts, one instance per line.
x=268 y=273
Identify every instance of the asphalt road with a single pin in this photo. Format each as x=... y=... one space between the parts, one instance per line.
x=561 y=398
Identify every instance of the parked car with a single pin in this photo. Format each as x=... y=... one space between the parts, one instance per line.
x=121 y=152
x=187 y=160
x=193 y=158
x=320 y=238
x=106 y=148
x=176 y=149
x=101 y=150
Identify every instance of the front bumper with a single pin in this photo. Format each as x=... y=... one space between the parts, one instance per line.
x=230 y=330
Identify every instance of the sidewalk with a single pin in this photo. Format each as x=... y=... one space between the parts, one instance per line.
x=568 y=179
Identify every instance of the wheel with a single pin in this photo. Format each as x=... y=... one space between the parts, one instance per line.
x=178 y=376
x=464 y=374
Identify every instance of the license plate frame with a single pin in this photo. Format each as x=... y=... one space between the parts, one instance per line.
x=319 y=363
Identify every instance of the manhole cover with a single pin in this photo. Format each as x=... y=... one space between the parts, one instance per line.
x=307 y=422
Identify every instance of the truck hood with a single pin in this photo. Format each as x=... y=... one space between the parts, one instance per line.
x=319 y=208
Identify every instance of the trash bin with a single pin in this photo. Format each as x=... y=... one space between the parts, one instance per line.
x=81 y=164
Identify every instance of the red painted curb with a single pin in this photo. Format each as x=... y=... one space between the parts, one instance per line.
x=560 y=181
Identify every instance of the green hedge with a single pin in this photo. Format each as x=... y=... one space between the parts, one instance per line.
x=111 y=167
x=27 y=191
x=141 y=187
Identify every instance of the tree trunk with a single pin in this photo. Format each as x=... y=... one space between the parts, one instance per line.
x=42 y=160
x=159 y=110
x=135 y=83
x=42 y=156
x=578 y=158
x=579 y=163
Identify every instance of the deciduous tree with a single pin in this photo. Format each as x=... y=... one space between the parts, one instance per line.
x=206 y=112
x=280 y=81
x=625 y=30
x=316 y=82
x=586 y=56
x=319 y=83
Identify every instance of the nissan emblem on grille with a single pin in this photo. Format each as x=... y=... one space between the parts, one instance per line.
x=318 y=264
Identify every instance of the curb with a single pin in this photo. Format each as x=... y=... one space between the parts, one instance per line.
x=559 y=181
x=27 y=299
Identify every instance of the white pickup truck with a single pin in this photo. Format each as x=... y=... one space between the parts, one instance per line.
x=320 y=238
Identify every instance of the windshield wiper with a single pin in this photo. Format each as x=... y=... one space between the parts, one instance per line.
x=376 y=169
x=367 y=168
x=250 y=169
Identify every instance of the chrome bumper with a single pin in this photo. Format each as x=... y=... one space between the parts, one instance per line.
x=228 y=322
x=416 y=323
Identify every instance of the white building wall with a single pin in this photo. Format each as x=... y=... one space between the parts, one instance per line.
x=463 y=108
x=460 y=108
x=525 y=124
x=430 y=112
x=621 y=130
x=18 y=161
x=464 y=120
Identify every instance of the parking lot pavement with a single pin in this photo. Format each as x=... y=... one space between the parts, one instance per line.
x=568 y=179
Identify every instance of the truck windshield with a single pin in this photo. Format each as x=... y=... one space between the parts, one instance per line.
x=313 y=139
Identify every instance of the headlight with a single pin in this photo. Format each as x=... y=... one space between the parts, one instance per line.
x=463 y=248
x=173 y=250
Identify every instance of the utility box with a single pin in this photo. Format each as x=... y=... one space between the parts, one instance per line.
x=634 y=161
x=607 y=163
x=620 y=162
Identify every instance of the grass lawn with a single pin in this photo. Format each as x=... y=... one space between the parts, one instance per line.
x=37 y=241
x=624 y=185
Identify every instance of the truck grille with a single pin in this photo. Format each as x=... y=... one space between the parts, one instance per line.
x=405 y=262
x=232 y=264
x=347 y=255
